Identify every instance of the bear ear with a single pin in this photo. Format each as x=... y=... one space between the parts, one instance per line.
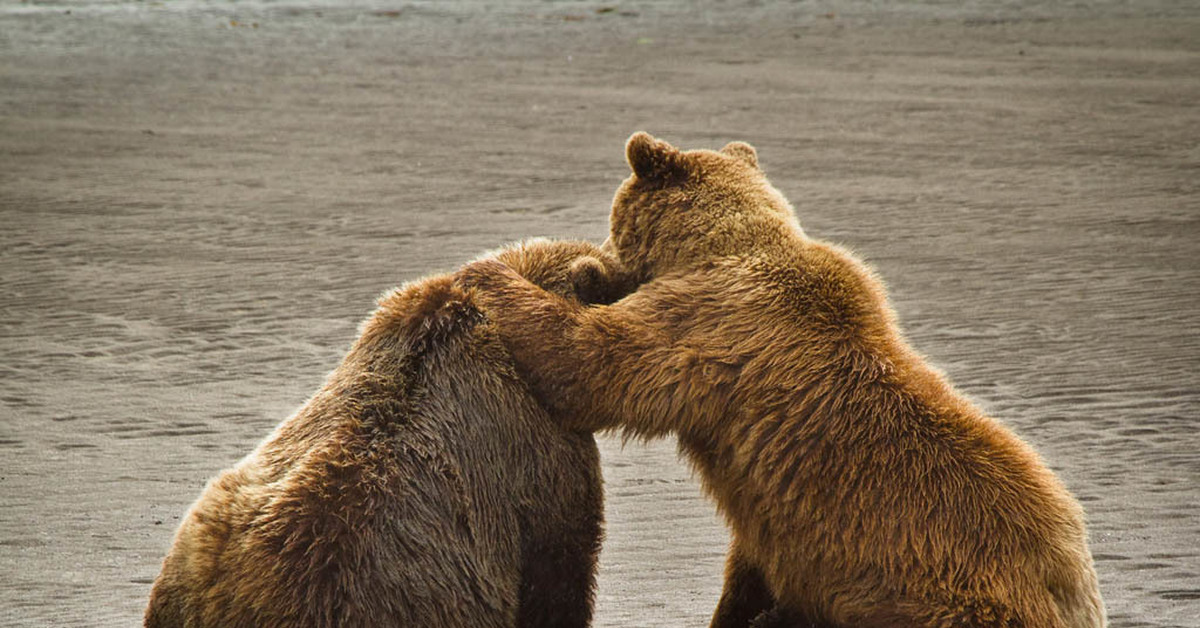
x=653 y=159
x=743 y=151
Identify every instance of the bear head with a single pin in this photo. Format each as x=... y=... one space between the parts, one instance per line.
x=571 y=269
x=681 y=208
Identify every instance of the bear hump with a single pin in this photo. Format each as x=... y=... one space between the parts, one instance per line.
x=424 y=313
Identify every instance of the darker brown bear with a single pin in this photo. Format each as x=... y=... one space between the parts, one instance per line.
x=860 y=488
x=423 y=485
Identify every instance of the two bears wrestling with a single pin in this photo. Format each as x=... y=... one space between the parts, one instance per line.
x=446 y=475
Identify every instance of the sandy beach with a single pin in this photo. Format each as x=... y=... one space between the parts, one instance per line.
x=199 y=201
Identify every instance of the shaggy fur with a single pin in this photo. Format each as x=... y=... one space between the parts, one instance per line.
x=423 y=485
x=860 y=488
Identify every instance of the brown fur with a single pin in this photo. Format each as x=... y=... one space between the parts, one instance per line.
x=860 y=488
x=423 y=485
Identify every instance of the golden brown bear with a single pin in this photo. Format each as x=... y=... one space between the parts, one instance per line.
x=423 y=485
x=860 y=488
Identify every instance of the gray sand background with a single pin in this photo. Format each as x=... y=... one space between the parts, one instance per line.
x=200 y=200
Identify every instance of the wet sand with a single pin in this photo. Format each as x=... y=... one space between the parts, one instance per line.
x=199 y=202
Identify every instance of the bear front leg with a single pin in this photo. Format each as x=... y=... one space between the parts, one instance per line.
x=534 y=324
x=746 y=595
x=596 y=367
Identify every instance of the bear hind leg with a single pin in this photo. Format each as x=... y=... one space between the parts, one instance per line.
x=745 y=596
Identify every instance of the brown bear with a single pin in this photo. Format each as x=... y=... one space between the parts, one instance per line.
x=860 y=488
x=423 y=485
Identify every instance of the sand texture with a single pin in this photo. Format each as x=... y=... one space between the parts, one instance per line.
x=200 y=200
